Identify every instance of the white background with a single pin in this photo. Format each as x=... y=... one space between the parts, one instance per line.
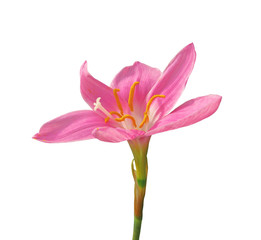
x=204 y=180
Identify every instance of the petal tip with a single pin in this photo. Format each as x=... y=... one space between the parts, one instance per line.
x=35 y=136
x=190 y=50
x=191 y=45
x=218 y=98
x=83 y=67
x=215 y=100
x=38 y=137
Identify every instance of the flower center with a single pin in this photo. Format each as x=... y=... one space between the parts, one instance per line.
x=121 y=117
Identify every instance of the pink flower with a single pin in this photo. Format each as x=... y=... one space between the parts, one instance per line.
x=138 y=104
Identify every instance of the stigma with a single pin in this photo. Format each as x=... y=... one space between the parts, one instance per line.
x=98 y=105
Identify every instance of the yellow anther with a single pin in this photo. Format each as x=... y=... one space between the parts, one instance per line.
x=126 y=116
x=107 y=119
x=144 y=120
x=151 y=100
x=116 y=113
x=146 y=117
x=117 y=99
x=131 y=95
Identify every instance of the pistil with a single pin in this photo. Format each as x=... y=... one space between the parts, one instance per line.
x=99 y=106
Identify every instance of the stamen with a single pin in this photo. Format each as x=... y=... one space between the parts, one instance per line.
x=151 y=100
x=107 y=119
x=112 y=112
x=144 y=120
x=126 y=116
x=118 y=100
x=116 y=113
x=146 y=117
x=131 y=95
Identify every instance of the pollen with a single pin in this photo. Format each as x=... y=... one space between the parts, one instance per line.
x=115 y=113
x=117 y=99
x=151 y=100
x=107 y=119
x=127 y=116
x=131 y=95
x=146 y=117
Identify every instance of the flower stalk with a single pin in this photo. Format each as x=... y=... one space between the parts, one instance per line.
x=139 y=149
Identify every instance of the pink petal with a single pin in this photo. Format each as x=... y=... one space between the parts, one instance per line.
x=188 y=113
x=138 y=72
x=109 y=134
x=72 y=126
x=91 y=89
x=173 y=81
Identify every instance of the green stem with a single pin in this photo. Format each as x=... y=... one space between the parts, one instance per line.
x=139 y=149
x=136 y=228
x=139 y=194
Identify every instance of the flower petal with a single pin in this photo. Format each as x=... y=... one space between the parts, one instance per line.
x=72 y=126
x=109 y=134
x=138 y=72
x=188 y=113
x=172 y=81
x=91 y=89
